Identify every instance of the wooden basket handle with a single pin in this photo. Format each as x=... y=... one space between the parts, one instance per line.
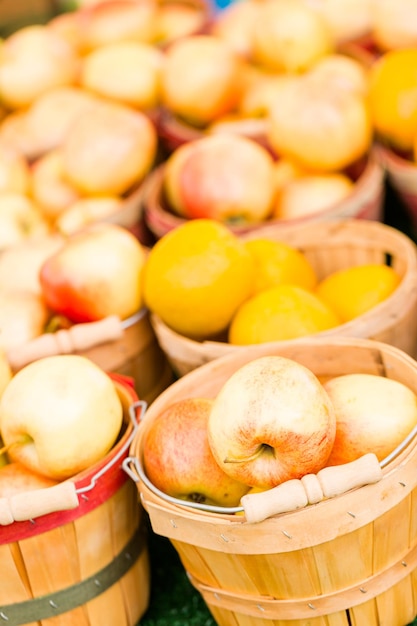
x=311 y=488
x=66 y=341
x=64 y=496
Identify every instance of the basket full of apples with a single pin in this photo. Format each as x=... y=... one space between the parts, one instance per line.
x=65 y=505
x=300 y=461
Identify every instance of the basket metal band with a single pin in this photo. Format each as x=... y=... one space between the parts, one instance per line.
x=269 y=608
x=67 y=599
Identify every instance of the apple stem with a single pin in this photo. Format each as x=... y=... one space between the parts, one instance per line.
x=245 y=459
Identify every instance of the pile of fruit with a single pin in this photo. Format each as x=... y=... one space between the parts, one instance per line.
x=272 y=421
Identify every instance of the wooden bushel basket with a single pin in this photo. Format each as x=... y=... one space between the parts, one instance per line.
x=402 y=174
x=76 y=553
x=365 y=202
x=348 y=560
x=330 y=246
x=127 y=347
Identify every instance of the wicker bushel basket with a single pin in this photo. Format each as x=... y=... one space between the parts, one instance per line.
x=330 y=246
x=349 y=559
x=402 y=174
x=76 y=553
x=365 y=202
x=127 y=347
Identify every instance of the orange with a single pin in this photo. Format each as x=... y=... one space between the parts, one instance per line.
x=393 y=97
x=196 y=276
x=277 y=262
x=282 y=312
x=353 y=291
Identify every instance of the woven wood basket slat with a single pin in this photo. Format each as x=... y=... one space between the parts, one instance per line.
x=329 y=246
x=57 y=553
x=349 y=560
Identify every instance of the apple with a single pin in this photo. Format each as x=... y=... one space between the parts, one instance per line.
x=107 y=22
x=392 y=25
x=17 y=478
x=96 y=273
x=289 y=36
x=14 y=171
x=51 y=115
x=20 y=264
x=271 y=421
x=373 y=414
x=178 y=460
x=35 y=59
x=178 y=19
x=20 y=220
x=235 y=24
x=86 y=211
x=59 y=415
x=201 y=79
x=5 y=377
x=127 y=71
x=50 y=189
x=109 y=149
x=223 y=176
x=15 y=135
x=348 y=19
x=23 y=316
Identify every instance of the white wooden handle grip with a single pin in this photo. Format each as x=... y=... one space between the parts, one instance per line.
x=66 y=341
x=312 y=488
x=31 y=504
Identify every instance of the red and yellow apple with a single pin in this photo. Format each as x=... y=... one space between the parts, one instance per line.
x=271 y=421
x=59 y=415
x=224 y=176
x=178 y=460
x=17 y=478
x=96 y=273
x=373 y=414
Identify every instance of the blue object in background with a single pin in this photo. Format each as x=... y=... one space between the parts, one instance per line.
x=221 y=4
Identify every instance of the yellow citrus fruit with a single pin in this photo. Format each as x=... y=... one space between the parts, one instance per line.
x=196 y=276
x=393 y=97
x=277 y=263
x=280 y=313
x=353 y=291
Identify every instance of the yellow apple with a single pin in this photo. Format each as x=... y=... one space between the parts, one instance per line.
x=271 y=421
x=23 y=316
x=35 y=59
x=178 y=459
x=110 y=149
x=20 y=220
x=96 y=273
x=127 y=71
x=178 y=19
x=235 y=26
x=201 y=79
x=86 y=211
x=59 y=415
x=394 y=25
x=14 y=171
x=20 y=263
x=373 y=414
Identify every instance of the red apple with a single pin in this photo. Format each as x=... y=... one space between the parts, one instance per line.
x=373 y=414
x=17 y=478
x=225 y=176
x=272 y=421
x=59 y=415
x=178 y=460
x=96 y=273
x=201 y=79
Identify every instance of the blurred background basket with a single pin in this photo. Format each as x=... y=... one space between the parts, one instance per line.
x=329 y=246
x=402 y=174
x=365 y=202
x=87 y=565
x=347 y=560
